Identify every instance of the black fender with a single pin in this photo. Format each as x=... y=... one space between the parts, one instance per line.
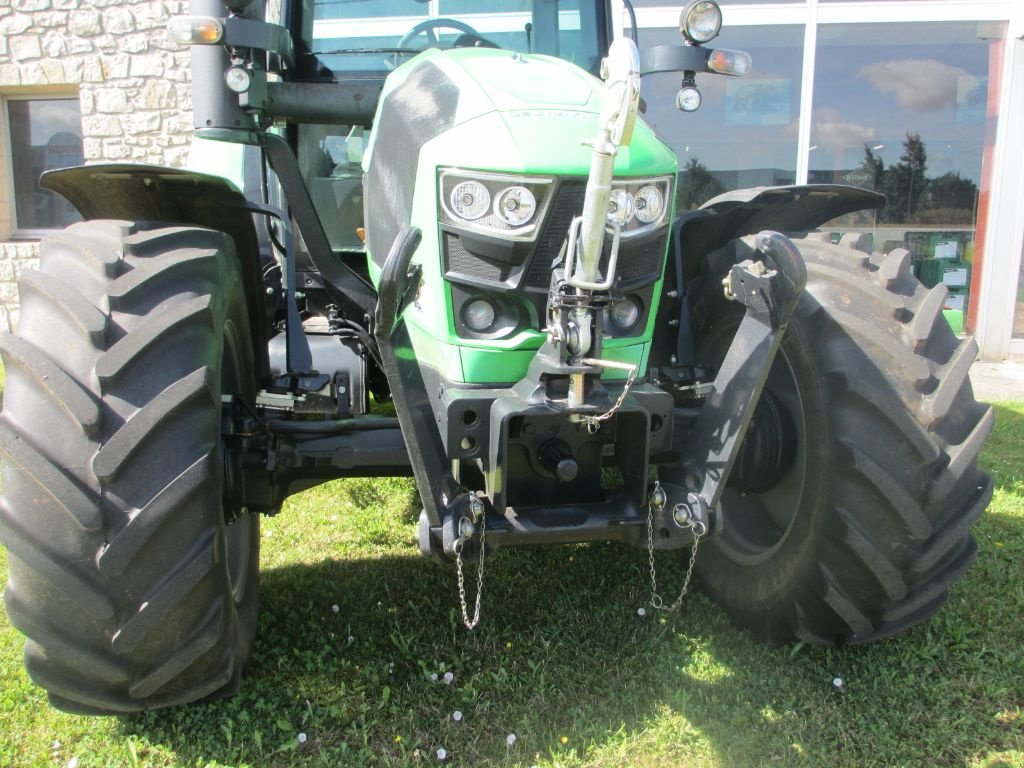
x=134 y=192
x=796 y=208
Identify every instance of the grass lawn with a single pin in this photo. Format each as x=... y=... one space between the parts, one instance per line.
x=355 y=624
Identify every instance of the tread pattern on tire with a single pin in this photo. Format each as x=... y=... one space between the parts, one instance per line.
x=111 y=505
x=904 y=484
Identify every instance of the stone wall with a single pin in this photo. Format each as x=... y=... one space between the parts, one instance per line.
x=132 y=82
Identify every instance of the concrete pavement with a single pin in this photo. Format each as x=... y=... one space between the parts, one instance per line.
x=998 y=381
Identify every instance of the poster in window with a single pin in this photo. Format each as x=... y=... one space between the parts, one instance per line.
x=759 y=101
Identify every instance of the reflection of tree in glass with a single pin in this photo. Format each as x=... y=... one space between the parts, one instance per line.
x=696 y=185
x=952 y=199
x=904 y=183
x=913 y=198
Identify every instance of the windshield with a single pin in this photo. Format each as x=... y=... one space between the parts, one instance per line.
x=377 y=35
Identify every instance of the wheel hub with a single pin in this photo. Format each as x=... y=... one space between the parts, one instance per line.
x=768 y=449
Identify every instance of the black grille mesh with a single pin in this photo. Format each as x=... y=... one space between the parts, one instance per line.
x=639 y=263
x=568 y=203
x=462 y=262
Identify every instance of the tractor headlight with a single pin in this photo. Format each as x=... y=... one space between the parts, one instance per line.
x=515 y=205
x=470 y=200
x=639 y=205
x=624 y=313
x=621 y=207
x=650 y=204
x=701 y=21
x=478 y=315
x=493 y=203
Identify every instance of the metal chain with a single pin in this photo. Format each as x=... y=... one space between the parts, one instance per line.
x=479 y=576
x=593 y=423
x=699 y=530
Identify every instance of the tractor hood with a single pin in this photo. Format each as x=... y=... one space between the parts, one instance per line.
x=498 y=110
x=485 y=110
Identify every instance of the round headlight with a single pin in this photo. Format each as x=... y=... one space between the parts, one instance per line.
x=515 y=205
x=620 y=207
x=470 y=200
x=688 y=99
x=478 y=315
x=238 y=79
x=625 y=313
x=701 y=21
x=650 y=204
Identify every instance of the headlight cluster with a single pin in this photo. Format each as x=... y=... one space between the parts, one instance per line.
x=700 y=21
x=492 y=203
x=639 y=205
x=486 y=315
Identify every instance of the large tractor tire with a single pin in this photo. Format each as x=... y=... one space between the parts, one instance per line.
x=848 y=516
x=133 y=588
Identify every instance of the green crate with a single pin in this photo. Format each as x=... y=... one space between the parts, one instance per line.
x=955 y=318
x=932 y=272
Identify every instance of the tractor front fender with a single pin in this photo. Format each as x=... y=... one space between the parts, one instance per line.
x=151 y=193
x=695 y=234
x=798 y=208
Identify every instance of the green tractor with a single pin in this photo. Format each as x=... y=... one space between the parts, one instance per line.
x=453 y=208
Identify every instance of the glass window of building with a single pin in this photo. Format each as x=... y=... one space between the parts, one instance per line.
x=745 y=132
x=45 y=133
x=909 y=110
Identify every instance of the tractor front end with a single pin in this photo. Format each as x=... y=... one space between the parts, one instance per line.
x=534 y=392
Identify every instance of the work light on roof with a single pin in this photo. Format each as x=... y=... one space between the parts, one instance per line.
x=701 y=21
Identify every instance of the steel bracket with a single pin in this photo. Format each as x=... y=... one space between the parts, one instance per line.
x=769 y=289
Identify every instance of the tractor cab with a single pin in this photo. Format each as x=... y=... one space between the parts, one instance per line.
x=346 y=43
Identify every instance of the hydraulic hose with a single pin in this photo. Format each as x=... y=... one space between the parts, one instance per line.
x=332 y=427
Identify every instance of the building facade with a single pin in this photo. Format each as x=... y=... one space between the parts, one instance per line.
x=80 y=80
x=922 y=100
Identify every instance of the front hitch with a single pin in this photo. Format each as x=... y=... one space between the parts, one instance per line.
x=769 y=288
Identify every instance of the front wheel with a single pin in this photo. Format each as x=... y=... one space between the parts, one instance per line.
x=848 y=515
x=132 y=586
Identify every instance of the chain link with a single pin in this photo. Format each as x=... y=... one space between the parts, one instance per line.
x=698 y=529
x=479 y=576
x=593 y=423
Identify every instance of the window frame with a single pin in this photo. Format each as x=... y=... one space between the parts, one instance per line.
x=19 y=233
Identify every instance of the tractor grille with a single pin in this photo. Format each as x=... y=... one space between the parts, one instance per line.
x=567 y=204
x=474 y=266
x=520 y=272
x=640 y=263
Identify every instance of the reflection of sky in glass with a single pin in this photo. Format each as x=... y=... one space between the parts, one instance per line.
x=874 y=83
x=746 y=128
x=679 y=6
x=51 y=116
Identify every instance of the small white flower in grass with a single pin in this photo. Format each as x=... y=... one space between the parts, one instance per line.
x=55 y=745
x=73 y=763
x=442 y=754
x=433 y=677
x=641 y=612
x=510 y=740
x=302 y=738
x=335 y=608
x=457 y=716
x=448 y=677
x=351 y=639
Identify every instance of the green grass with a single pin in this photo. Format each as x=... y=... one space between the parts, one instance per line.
x=563 y=661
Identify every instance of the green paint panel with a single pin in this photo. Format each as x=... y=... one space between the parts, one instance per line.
x=526 y=115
